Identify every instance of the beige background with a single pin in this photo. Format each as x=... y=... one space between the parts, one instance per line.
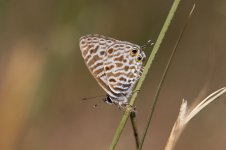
x=43 y=77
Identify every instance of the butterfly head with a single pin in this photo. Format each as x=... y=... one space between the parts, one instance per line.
x=117 y=101
x=138 y=53
x=108 y=100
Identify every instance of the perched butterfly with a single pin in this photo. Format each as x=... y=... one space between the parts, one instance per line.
x=116 y=65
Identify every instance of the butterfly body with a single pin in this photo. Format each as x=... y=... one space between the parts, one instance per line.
x=116 y=65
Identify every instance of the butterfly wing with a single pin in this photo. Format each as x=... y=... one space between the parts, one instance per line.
x=122 y=69
x=93 y=48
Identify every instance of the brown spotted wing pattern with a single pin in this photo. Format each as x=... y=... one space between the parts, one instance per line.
x=116 y=65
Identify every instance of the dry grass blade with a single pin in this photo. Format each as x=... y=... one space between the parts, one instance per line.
x=186 y=114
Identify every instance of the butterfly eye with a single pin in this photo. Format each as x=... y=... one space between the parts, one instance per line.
x=133 y=52
x=139 y=58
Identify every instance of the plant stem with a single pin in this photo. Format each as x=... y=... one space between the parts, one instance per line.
x=134 y=126
x=146 y=69
x=119 y=129
x=152 y=109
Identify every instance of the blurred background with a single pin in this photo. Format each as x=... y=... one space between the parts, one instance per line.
x=43 y=77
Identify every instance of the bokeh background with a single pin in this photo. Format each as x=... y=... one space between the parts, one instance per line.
x=43 y=77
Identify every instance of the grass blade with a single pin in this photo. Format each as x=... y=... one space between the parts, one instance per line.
x=146 y=69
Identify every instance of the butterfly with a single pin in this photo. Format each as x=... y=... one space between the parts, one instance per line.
x=116 y=65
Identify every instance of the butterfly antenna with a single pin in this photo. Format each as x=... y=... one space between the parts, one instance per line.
x=149 y=43
x=94 y=97
x=97 y=104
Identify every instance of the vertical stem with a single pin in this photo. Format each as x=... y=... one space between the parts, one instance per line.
x=146 y=69
x=119 y=129
x=135 y=130
x=163 y=78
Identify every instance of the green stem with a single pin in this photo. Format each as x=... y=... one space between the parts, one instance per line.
x=146 y=69
x=135 y=129
x=163 y=78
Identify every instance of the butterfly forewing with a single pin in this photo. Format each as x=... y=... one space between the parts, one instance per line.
x=111 y=63
x=93 y=48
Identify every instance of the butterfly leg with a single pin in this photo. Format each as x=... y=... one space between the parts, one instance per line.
x=126 y=106
x=135 y=91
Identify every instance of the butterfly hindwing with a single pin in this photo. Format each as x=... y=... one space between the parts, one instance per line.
x=121 y=68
